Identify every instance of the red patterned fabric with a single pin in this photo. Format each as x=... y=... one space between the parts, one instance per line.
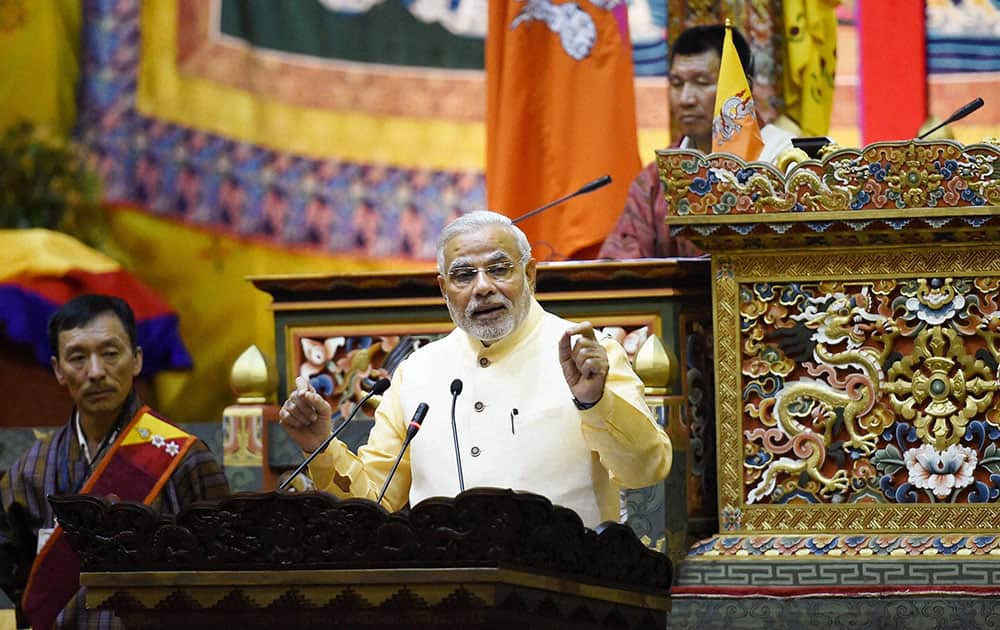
x=641 y=231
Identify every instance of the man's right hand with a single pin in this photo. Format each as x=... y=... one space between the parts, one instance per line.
x=306 y=416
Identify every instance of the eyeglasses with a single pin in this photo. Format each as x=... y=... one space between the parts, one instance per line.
x=462 y=277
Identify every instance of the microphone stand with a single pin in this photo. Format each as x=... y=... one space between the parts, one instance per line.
x=600 y=182
x=961 y=113
x=456 y=389
x=377 y=389
x=411 y=432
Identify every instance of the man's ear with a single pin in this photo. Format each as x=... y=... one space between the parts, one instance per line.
x=54 y=362
x=138 y=361
x=530 y=271
x=441 y=286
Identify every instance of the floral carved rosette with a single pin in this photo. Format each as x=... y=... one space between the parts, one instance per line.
x=881 y=391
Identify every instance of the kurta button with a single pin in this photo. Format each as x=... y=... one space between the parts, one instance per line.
x=479 y=405
x=484 y=362
x=475 y=451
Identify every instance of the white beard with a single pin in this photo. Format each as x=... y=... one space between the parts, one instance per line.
x=494 y=331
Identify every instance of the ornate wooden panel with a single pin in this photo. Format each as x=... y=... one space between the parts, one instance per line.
x=857 y=306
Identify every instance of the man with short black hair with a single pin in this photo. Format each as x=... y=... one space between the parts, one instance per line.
x=112 y=446
x=641 y=231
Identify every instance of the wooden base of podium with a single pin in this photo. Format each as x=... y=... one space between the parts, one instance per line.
x=488 y=558
x=463 y=598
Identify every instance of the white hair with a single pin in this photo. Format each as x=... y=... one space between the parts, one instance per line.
x=477 y=220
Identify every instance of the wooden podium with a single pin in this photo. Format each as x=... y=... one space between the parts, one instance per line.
x=486 y=559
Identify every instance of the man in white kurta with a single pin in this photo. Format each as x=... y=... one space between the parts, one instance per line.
x=545 y=406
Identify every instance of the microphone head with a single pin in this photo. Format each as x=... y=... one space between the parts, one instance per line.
x=415 y=422
x=419 y=414
x=456 y=387
x=970 y=107
x=604 y=180
x=380 y=386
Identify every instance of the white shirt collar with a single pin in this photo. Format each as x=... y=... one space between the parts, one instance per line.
x=82 y=440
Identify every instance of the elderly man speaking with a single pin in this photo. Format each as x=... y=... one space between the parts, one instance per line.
x=545 y=406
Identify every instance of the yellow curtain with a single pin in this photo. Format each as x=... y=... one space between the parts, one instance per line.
x=810 y=63
x=39 y=46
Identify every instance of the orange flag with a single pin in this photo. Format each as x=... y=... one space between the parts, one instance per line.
x=734 y=125
x=560 y=113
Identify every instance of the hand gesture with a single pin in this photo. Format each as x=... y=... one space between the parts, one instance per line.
x=585 y=364
x=306 y=416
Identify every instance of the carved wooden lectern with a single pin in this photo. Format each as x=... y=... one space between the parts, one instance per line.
x=486 y=559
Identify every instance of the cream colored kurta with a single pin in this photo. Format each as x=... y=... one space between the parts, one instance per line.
x=517 y=427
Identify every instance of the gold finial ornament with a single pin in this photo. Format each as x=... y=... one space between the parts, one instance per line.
x=252 y=377
x=656 y=365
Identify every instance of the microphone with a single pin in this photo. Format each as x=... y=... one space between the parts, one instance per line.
x=456 y=389
x=411 y=431
x=378 y=389
x=600 y=182
x=959 y=114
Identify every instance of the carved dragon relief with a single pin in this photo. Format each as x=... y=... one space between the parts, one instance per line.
x=871 y=391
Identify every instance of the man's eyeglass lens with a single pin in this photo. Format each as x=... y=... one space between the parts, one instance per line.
x=464 y=276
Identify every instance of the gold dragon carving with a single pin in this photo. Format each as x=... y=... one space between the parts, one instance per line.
x=860 y=382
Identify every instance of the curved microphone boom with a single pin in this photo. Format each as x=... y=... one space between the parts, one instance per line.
x=600 y=182
x=411 y=431
x=456 y=389
x=377 y=390
x=959 y=114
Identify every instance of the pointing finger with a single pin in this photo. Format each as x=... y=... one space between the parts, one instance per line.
x=584 y=329
x=302 y=385
x=564 y=347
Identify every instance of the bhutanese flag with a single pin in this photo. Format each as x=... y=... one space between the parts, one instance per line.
x=560 y=113
x=734 y=125
x=40 y=270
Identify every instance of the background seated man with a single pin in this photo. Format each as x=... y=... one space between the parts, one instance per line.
x=95 y=356
x=694 y=75
x=545 y=406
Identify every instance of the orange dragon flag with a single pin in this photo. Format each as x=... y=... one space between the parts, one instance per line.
x=734 y=125
x=560 y=113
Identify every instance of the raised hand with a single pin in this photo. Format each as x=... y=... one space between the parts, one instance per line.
x=306 y=416
x=584 y=363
